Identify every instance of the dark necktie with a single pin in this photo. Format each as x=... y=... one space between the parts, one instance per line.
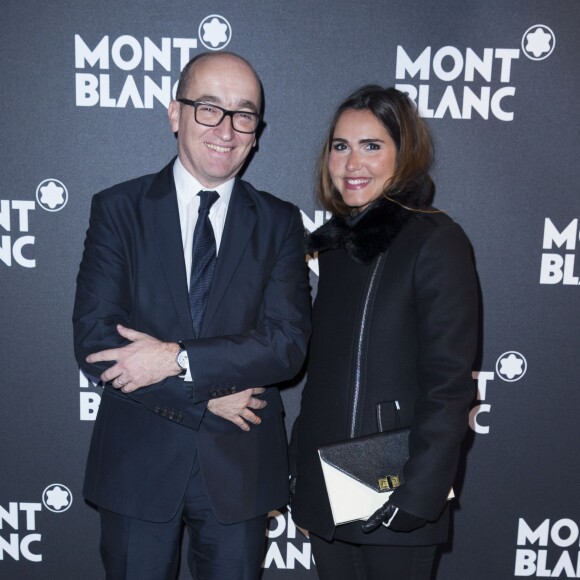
x=203 y=258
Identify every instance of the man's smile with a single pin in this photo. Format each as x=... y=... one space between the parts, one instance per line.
x=218 y=148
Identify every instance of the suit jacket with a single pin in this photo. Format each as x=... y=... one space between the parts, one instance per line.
x=254 y=333
x=395 y=319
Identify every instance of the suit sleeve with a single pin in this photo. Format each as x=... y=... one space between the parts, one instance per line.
x=273 y=350
x=103 y=298
x=446 y=304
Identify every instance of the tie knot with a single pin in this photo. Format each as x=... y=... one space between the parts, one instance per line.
x=206 y=200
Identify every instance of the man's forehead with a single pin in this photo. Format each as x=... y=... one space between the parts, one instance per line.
x=224 y=78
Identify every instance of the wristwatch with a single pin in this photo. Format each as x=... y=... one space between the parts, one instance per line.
x=182 y=359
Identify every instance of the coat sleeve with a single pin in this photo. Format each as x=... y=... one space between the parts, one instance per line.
x=446 y=302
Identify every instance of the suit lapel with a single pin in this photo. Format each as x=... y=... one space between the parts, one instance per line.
x=162 y=225
x=240 y=223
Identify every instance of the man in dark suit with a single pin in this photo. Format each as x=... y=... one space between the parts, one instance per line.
x=190 y=428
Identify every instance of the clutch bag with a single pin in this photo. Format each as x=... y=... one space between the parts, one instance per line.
x=360 y=474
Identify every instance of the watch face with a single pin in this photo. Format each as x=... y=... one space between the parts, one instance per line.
x=182 y=359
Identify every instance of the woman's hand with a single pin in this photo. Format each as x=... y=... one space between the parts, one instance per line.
x=393 y=518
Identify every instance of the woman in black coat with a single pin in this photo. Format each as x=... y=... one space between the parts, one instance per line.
x=394 y=338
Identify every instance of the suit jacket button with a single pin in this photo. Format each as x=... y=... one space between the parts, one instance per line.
x=179 y=418
x=170 y=415
x=157 y=410
x=164 y=413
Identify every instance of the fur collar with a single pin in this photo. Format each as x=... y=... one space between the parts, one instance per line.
x=370 y=234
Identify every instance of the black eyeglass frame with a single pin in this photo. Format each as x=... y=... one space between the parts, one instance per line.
x=225 y=113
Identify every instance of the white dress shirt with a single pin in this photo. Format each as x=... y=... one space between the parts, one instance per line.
x=187 y=188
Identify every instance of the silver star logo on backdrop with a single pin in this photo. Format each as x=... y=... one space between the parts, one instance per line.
x=57 y=497
x=51 y=194
x=215 y=32
x=511 y=366
x=538 y=42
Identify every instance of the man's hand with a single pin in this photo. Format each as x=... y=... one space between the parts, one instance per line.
x=144 y=362
x=237 y=407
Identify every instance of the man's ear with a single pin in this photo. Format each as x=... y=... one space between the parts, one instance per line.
x=173 y=113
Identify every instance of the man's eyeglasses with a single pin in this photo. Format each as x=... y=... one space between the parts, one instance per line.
x=212 y=115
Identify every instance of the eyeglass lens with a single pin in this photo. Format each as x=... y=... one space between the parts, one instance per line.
x=212 y=116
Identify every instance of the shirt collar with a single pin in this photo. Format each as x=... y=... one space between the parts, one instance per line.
x=187 y=186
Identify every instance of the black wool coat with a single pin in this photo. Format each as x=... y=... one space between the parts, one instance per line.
x=417 y=348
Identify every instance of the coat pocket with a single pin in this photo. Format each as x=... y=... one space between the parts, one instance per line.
x=393 y=414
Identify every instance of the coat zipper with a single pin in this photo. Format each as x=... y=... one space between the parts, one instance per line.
x=361 y=342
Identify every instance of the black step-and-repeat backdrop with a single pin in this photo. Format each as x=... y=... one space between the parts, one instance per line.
x=84 y=91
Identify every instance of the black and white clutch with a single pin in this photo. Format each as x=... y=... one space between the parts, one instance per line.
x=361 y=473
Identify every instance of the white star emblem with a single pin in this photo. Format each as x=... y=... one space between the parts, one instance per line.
x=538 y=42
x=215 y=32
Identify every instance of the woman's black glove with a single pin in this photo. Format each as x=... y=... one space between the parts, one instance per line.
x=393 y=518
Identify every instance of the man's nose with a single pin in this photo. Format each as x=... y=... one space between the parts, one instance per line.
x=225 y=129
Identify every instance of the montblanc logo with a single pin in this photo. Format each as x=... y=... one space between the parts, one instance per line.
x=51 y=195
x=126 y=71
x=57 y=498
x=287 y=548
x=320 y=217
x=461 y=82
x=16 y=217
x=560 y=246
x=19 y=537
x=215 y=32
x=547 y=549
x=538 y=42
x=89 y=397
x=510 y=367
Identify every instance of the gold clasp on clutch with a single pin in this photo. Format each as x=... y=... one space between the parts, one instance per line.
x=389 y=482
